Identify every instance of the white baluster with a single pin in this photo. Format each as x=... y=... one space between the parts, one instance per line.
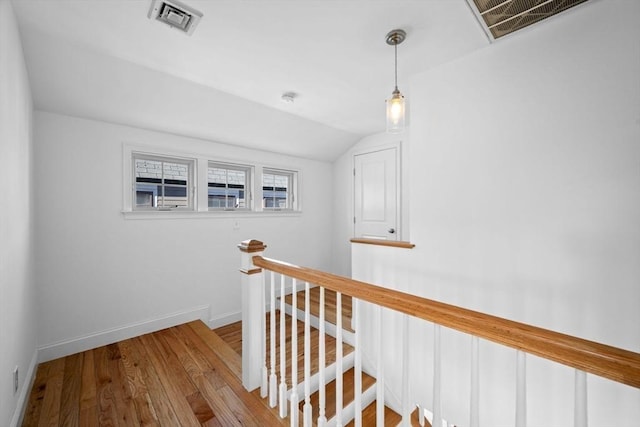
x=283 y=350
x=357 y=364
x=322 y=418
x=273 y=380
x=294 y=355
x=437 y=398
x=339 y=368
x=307 y=357
x=406 y=407
x=379 y=370
x=580 y=418
x=475 y=383
x=521 y=389
x=264 y=385
x=421 y=418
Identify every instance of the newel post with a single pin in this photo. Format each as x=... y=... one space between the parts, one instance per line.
x=253 y=316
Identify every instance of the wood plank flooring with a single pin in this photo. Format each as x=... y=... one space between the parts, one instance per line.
x=181 y=376
x=187 y=375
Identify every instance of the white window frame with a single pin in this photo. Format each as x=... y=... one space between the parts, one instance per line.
x=248 y=186
x=293 y=198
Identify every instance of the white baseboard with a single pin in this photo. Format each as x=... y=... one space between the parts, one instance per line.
x=23 y=399
x=110 y=336
x=225 y=319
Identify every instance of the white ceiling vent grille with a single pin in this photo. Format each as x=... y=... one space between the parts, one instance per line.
x=175 y=14
x=504 y=17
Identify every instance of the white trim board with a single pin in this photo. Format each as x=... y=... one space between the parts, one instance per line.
x=225 y=319
x=110 y=336
x=27 y=385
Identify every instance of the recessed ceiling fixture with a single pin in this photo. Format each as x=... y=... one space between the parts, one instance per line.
x=502 y=17
x=175 y=14
x=288 y=97
x=395 y=105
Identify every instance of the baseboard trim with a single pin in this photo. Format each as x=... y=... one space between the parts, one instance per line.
x=225 y=319
x=109 y=336
x=21 y=405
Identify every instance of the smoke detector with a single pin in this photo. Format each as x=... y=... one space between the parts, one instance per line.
x=289 y=97
x=175 y=14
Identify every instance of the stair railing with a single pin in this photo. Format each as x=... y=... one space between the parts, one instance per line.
x=259 y=371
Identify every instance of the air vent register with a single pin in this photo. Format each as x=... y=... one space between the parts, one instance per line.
x=175 y=14
x=503 y=17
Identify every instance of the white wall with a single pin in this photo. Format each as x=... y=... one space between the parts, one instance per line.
x=17 y=297
x=98 y=271
x=525 y=203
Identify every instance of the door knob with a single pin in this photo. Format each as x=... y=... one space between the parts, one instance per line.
x=392 y=230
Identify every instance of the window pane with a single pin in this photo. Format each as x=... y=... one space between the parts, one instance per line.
x=148 y=174
x=148 y=169
x=175 y=197
x=227 y=188
x=275 y=190
x=161 y=184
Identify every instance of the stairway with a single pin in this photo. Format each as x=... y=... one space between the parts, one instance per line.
x=231 y=334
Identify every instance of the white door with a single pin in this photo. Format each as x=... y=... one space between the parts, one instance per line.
x=376 y=194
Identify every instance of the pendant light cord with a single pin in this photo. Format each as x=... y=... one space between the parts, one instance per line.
x=395 y=48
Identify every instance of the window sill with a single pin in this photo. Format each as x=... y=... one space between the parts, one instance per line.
x=207 y=214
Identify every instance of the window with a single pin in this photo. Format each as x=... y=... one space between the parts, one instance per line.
x=194 y=185
x=162 y=183
x=228 y=186
x=278 y=189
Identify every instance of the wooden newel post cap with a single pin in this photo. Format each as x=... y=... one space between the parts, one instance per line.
x=252 y=246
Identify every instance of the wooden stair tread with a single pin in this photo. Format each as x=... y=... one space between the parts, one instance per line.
x=227 y=343
x=329 y=303
x=330 y=348
x=391 y=417
x=231 y=335
x=348 y=387
x=219 y=346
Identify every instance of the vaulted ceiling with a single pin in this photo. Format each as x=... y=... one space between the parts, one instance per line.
x=104 y=59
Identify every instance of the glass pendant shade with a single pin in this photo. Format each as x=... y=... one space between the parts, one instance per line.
x=395 y=112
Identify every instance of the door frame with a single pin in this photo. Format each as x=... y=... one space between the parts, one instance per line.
x=400 y=227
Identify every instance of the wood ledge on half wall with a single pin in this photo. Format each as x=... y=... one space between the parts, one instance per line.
x=382 y=242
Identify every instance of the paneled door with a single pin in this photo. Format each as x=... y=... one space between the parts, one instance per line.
x=376 y=191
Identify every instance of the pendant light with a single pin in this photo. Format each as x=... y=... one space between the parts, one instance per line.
x=395 y=104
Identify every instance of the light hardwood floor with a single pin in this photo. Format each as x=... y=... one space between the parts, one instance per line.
x=187 y=375
x=181 y=376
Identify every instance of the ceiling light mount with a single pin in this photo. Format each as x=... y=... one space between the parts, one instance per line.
x=395 y=37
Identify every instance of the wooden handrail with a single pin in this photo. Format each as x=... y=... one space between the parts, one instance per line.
x=606 y=361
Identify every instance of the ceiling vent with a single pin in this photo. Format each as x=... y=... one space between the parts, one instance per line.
x=175 y=14
x=505 y=17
